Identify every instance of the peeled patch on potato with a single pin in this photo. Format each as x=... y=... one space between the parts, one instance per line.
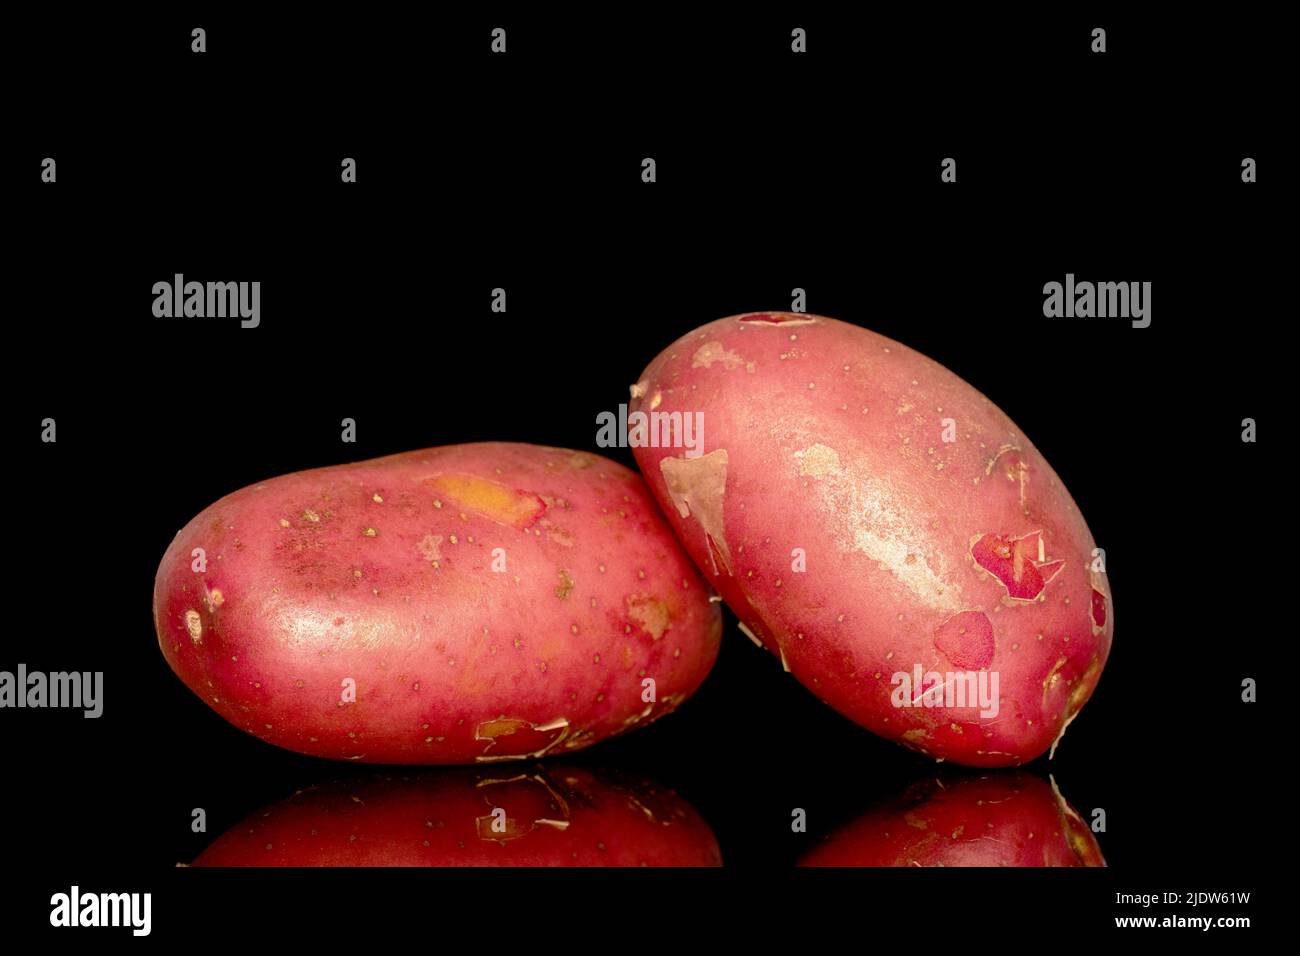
x=884 y=530
x=467 y=604
x=552 y=815
x=1006 y=819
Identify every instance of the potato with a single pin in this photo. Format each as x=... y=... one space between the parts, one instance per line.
x=872 y=519
x=1005 y=819
x=556 y=815
x=473 y=603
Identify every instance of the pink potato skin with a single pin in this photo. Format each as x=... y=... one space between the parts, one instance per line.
x=1005 y=819
x=387 y=573
x=826 y=437
x=553 y=815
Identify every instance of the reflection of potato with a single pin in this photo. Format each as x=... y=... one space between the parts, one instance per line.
x=865 y=512
x=484 y=602
x=551 y=815
x=1003 y=819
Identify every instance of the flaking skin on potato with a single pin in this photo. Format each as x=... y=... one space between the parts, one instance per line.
x=466 y=604
x=520 y=816
x=871 y=517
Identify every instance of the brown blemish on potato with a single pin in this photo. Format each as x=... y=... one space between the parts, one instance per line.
x=698 y=486
x=501 y=726
x=491 y=730
x=194 y=624
x=311 y=516
x=565 y=586
x=651 y=613
x=369 y=532
x=557 y=534
x=284 y=523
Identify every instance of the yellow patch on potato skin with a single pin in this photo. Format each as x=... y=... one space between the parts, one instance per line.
x=489 y=499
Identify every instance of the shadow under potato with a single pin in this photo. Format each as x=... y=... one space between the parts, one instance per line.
x=553 y=815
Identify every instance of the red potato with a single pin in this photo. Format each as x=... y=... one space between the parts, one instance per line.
x=1005 y=819
x=872 y=518
x=473 y=603
x=545 y=816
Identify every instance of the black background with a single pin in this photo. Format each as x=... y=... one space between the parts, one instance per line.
x=775 y=171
